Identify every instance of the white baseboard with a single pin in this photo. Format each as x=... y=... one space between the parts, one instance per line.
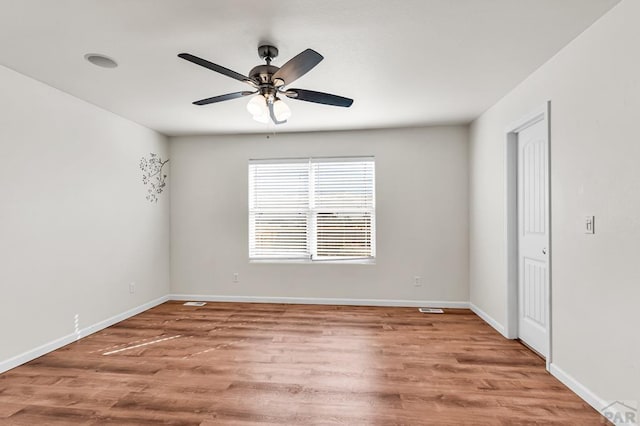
x=321 y=301
x=576 y=387
x=488 y=319
x=70 y=338
x=581 y=390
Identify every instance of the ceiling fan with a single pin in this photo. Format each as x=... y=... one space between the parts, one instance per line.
x=269 y=81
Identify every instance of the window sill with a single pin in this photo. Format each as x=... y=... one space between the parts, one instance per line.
x=316 y=262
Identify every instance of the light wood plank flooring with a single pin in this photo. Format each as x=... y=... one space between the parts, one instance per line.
x=242 y=364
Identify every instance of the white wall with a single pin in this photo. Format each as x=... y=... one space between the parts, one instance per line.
x=75 y=227
x=594 y=88
x=422 y=216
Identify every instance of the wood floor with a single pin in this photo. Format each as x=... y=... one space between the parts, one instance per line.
x=241 y=364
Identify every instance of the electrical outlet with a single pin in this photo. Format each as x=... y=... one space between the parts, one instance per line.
x=236 y=277
x=132 y=288
x=417 y=281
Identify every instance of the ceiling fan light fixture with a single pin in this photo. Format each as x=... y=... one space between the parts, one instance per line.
x=257 y=105
x=281 y=110
x=262 y=118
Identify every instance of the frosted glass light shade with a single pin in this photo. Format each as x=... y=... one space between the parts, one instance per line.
x=257 y=106
x=262 y=118
x=281 y=110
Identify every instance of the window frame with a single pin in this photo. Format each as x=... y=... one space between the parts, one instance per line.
x=312 y=211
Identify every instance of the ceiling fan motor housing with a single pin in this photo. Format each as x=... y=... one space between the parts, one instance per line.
x=263 y=73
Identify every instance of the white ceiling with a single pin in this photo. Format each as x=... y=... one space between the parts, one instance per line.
x=409 y=62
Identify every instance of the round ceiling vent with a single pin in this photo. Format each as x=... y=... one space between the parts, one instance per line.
x=100 y=60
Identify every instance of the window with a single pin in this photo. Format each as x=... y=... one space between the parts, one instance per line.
x=314 y=209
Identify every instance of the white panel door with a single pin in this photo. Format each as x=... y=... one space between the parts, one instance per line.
x=533 y=232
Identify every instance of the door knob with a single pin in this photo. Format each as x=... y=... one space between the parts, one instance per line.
x=544 y=250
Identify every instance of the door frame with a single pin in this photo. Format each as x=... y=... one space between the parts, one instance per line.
x=511 y=209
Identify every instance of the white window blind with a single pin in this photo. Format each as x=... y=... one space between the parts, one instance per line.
x=279 y=209
x=315 y=209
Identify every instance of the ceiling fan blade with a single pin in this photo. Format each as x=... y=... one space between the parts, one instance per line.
x=298 y=66
x=221 y=98
x=216 y=68
x=318 y=97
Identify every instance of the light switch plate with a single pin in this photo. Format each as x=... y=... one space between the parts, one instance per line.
x=589 y=224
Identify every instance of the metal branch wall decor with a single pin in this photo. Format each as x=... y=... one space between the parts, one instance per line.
x=152 y=176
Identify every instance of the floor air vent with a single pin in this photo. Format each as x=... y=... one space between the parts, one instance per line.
x=195 y=303
x=431 y=310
